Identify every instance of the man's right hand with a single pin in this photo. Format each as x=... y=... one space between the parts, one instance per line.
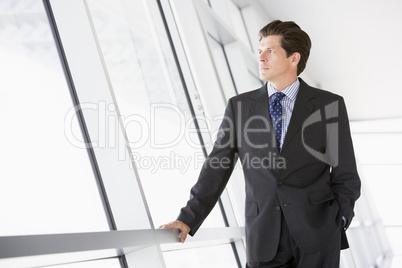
x=183 y=228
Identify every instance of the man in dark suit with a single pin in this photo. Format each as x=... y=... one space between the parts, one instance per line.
x=294 y=144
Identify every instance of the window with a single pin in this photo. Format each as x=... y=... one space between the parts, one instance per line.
x=46 y=183
x=153 y=106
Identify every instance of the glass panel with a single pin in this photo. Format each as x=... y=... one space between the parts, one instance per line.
x=65 y=260
x=357 y=236
x=222 y=68
x=396 y=262
x=255 y=80
x=238 y=23
x=46 y=183
x=253 y=23
x=378 y=165
x=378 y=179
x=106 y=263
x=220 y=256
x=378 y=148
x=395 y=234
x=347 y=260
x=231 y=15
x=152 y=104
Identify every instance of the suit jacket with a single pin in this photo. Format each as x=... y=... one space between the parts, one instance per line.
x=313 y=180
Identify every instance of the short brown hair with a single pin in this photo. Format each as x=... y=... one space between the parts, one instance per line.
x=294 y=39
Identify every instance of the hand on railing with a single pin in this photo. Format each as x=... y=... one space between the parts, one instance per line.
x=183 y=228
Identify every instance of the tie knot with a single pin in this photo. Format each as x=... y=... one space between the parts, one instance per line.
x=278 y=96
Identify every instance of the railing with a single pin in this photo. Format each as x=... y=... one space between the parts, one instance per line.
x=51 y=249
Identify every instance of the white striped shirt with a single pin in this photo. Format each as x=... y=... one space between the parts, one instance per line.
x=288 y=102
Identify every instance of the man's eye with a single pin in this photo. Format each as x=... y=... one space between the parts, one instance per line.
x=270 y=51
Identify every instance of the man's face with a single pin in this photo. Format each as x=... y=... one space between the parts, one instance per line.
x=274 y=65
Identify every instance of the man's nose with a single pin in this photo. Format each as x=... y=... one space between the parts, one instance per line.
x=261 y=57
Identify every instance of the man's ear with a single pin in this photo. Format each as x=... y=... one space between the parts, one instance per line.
x=295 y=58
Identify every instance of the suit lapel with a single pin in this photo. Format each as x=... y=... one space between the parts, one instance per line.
x=259 y=108
x=302 y=109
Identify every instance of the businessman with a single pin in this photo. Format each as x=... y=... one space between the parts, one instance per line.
x=294 y=144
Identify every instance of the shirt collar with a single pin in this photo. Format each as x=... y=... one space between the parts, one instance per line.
x=290 y=91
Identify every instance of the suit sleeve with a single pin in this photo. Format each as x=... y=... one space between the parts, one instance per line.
x=214 y=174
x=344 y=177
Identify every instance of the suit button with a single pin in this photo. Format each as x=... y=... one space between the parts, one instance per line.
x=279 y=181
x=278 y=208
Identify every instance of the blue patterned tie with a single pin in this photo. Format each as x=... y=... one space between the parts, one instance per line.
x=275 y=109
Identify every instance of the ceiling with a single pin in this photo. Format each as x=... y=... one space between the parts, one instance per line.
x=356 y=52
